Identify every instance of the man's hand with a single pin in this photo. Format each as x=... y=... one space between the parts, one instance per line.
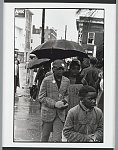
x=100 y=75
x=93 y=138
x=59 y=104
x=88 y=138
x=64 y=101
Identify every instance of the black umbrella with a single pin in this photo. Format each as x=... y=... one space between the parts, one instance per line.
x=37 y=63
x=59 y=49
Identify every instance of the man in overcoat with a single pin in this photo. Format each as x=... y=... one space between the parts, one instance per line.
x=53 y=95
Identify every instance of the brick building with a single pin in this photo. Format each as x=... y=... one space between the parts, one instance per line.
x=90 y=34
x=49 y=34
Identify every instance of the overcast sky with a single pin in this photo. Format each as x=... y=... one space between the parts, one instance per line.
x=58 y=19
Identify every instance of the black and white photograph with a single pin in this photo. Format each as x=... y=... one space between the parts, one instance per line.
x=58 y=75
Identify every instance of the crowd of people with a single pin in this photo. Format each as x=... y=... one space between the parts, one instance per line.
x=72 y=101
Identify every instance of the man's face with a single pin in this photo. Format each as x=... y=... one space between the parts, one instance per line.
x=75 y=70
x=89 y=100
x=58 y=71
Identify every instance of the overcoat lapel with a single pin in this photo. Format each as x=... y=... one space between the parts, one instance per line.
x=62 y=84
x=55 y=83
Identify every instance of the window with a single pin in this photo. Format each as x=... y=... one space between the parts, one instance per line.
x=37 y=31
x=80 y=35
x=48 y=36
x=91 y=38
x=80 y=30
x=80 y=24
x=80 y=42
x=31 y=40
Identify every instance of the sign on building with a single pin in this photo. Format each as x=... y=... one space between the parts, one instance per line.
x=19 y=12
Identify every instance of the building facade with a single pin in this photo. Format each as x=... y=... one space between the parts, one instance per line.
x=49 y=34
x=35 y=37
x=90 y=33
x=23 y=22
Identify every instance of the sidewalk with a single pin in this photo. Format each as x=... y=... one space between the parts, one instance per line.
x=27 y=120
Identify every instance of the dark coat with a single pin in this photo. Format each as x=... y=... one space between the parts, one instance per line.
x=78 y=77
x=90 y=74
x=39 y=76
x=17 y=78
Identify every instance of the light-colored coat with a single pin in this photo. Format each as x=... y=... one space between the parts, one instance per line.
x=49 y=94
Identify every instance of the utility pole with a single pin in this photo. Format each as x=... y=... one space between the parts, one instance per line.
x=65 y=31
x=43 y=25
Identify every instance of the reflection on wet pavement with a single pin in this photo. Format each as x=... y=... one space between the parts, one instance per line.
x=27 y=119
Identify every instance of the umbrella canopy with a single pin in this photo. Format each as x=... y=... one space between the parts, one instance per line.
x=59 y=49
x=37 y=63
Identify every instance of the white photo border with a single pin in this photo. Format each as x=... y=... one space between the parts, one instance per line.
x=109 y=74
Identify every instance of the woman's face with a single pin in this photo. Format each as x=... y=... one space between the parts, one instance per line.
x=75 y=70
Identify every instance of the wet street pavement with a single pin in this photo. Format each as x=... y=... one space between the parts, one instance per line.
x=27 y=120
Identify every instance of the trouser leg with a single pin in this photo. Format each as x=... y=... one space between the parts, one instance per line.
x=46 y=129
x=57 y=129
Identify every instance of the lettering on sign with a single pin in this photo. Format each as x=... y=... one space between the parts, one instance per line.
x=19 y=12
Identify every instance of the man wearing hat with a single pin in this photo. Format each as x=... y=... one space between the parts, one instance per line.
x=53 y=95
x=84 y=122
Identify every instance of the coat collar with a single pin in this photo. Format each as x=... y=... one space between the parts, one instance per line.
x=84 y=108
